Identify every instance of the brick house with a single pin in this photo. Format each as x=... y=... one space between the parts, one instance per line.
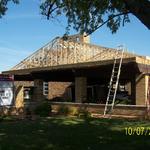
x=73 y=70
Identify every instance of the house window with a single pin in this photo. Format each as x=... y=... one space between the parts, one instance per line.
x=45 y=88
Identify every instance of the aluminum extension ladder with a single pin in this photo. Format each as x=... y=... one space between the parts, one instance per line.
x=114 y=80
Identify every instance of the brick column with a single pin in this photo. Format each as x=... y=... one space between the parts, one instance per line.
x=141 y=89
x=19 y=98
x=133 y=90
x=128 y=87
x=80 y=89
x=38 y=90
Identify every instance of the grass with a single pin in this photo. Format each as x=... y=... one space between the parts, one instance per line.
x=65 y=133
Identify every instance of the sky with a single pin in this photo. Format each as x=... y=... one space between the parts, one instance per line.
x=23 y=30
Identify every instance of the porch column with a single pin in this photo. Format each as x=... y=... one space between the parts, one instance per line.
x=141 y=89
x=19 y=97
x=38 y=90
x=133 y=90
x=80 y=89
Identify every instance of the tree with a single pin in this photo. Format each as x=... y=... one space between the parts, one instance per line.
x=3 y=6
x=89 y=15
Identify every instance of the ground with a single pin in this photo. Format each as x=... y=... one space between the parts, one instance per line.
x=63 y=133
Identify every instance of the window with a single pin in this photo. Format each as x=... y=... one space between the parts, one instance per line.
x=45 y=88
x=26 y=93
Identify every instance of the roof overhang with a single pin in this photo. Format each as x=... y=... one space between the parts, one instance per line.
x=97 y=69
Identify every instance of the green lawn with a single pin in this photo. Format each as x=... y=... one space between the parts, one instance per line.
x=71 y=134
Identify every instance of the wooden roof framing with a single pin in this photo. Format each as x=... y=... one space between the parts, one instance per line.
x=61 y=52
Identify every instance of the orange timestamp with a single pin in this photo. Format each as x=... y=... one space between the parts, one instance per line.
x=145 y=131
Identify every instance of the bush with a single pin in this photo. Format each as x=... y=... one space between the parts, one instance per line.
x=73 y=111
x=6 y=118
x=79 y=112
x=43 y=110
x=83 y=113
x=63 y=110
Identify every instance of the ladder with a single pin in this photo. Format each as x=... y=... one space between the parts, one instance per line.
x=113 y=84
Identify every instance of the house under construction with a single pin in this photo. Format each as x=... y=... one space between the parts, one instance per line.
x=72 y=72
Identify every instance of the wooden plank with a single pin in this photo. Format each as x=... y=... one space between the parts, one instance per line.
x=69 y=66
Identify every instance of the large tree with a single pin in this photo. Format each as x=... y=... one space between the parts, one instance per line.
x=3 y=6
x=89 y=15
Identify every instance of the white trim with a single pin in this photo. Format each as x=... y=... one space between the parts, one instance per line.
x=45 y=88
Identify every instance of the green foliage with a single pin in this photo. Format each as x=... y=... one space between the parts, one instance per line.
x=63 y=110
x=43 y=110
x=125 y=102
x=6 y=118
x=88 y=16
x=3 y=6
x=73 y=111
x=83 y=113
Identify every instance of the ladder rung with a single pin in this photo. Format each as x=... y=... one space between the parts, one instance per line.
x=115 y=76
x=111 y=89
x=112 y=92
x=111 y=95
x=115 y=73
x=110 y=101
x=114 y=80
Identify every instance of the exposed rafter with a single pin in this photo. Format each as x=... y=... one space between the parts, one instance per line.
x=60 y=51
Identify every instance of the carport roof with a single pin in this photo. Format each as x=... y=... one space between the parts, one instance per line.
x=64 y=72
x=71 y=57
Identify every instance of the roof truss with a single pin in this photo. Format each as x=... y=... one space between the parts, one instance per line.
x=60 y=51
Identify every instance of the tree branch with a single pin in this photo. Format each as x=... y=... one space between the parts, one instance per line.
x=50 y=10
x=120 y=14
x=140 y=9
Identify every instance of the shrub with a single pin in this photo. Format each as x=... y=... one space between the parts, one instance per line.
x=63 y=110
x=74 y=111
x=43 y=110
x=6 y=118
x=83 y=113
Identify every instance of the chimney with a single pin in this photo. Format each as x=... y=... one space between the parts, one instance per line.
x=80 y=38
x=84 y=38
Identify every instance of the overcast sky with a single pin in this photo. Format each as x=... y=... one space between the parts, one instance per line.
x=23 y=30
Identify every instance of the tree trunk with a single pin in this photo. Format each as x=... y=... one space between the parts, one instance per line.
x=140 y=9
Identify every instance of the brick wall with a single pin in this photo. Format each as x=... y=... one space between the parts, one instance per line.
x=19 y=101
x=59 y=89
x=56 y=89
x=141 y=89
x=122 y=110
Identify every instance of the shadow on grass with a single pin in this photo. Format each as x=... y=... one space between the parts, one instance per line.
x=70 y=134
